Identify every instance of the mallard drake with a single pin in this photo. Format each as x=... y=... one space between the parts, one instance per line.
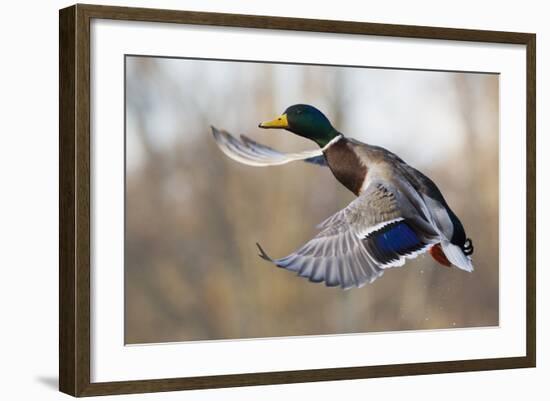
x=398 y=214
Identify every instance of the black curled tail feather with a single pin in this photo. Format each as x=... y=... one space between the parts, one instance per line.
x=468 y=247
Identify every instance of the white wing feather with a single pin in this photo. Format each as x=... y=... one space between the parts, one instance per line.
x=251 y=153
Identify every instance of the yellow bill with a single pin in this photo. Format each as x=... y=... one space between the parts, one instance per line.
x=279 y=122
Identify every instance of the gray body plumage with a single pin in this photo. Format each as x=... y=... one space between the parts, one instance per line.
x=350 y=251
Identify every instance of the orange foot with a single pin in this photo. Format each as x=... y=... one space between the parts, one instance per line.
x=439 y=256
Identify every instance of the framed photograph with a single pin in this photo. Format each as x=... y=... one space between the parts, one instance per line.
x=250 y=200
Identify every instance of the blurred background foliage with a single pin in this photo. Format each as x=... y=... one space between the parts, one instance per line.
x=193 y=215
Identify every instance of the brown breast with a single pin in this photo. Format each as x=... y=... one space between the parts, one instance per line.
x=345 y=165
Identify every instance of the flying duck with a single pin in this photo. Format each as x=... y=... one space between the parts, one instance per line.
x=398 y=214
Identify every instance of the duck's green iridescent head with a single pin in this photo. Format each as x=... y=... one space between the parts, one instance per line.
x=306 y=121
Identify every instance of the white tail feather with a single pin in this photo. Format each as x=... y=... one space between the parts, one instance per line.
x=456 y=256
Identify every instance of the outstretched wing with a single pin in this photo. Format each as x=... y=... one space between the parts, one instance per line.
x=252 y=153
x=378 y=230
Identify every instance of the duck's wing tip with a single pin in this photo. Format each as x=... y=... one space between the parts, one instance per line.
x=247 y=151
x=263 y=254
x=217 y=134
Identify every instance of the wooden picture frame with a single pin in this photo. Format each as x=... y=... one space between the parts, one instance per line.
x=74 y=199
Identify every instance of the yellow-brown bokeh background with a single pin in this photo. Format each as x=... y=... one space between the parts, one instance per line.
x=193 y=216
